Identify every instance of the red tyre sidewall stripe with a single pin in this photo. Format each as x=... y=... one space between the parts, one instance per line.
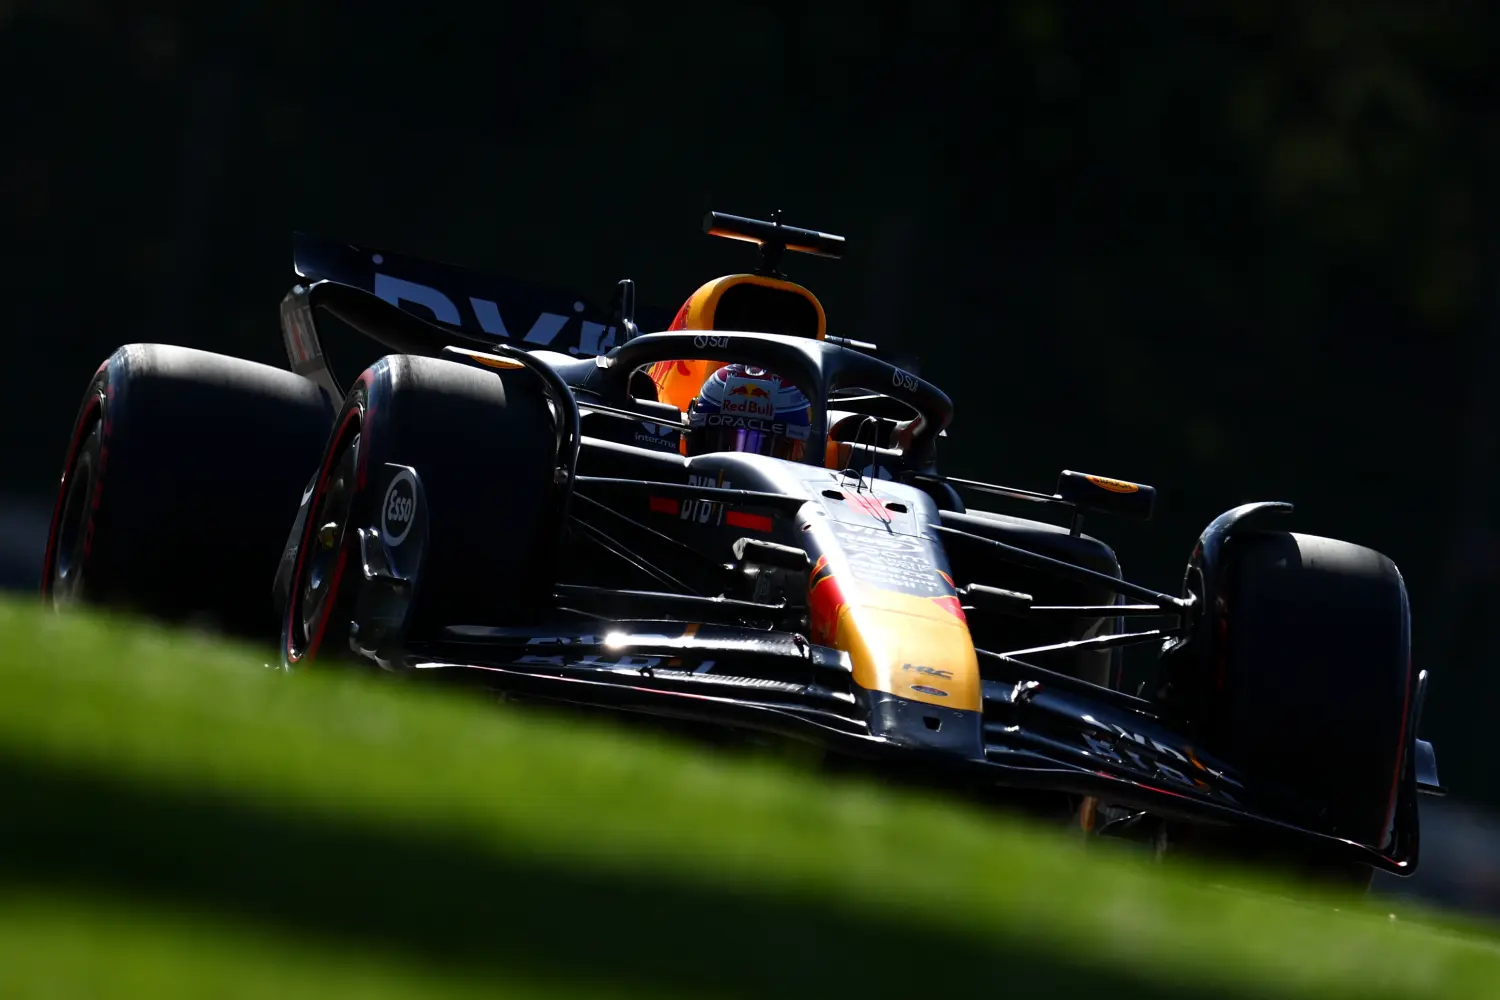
x=353 y=415
x=328 y=603
x=93 y=407
x=1390 y=809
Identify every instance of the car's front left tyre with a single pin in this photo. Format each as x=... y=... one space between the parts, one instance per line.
x=439 y=474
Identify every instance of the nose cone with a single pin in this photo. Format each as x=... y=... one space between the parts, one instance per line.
x=881 y=592
x=910 y=646
x=923 y=726
x=915 y=661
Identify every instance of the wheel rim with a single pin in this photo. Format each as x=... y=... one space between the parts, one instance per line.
x=72 y=535
x=329 y=521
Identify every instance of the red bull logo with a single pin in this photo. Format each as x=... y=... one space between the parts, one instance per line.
x=748 y=399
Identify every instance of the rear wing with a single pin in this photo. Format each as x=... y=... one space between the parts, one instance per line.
x=486 y=306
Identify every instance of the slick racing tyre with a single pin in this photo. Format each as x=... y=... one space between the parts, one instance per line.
x=1311 y=669
x=181 y=472
x=442 y=473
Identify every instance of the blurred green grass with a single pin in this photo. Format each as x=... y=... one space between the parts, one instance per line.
x=179 y=821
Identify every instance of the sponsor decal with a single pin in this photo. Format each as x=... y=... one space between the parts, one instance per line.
x=750 y=399
x=748 y=407
x=653 y=435
x=796 y=433
x=702 y=511
x=1121 y=746
x=593 y=338
x=917 y=668
x=881 y=537
x=1113 y=485
x=652 y=441
x=925 y=689
x=399 y=508
x=632 y=663
x=707 y=340
x=888 y=560
x=903 y=380
x=491 y=361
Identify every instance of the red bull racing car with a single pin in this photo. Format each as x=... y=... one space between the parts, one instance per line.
x=740 y=522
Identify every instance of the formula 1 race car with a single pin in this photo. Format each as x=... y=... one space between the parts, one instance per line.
x=739 y=522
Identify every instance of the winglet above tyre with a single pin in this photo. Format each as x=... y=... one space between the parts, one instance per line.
x=1106 y=496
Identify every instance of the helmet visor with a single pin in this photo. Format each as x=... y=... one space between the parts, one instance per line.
x=755 y=441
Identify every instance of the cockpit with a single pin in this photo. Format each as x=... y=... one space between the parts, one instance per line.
x=753 y=410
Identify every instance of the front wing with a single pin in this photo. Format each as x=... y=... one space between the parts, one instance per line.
x=1036 y=735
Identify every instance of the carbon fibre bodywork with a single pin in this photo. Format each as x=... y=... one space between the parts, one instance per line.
x=865 y=609
x=1034 y=727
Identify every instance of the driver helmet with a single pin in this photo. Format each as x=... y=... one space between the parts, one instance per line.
x=744 y=408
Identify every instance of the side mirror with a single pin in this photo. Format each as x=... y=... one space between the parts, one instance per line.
x=1103 y=495
x=622 y=310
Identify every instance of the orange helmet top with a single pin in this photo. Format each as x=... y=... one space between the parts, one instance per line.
x=764 y=302
x=749 y=302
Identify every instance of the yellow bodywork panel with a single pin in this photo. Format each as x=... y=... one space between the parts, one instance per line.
x=912 y=647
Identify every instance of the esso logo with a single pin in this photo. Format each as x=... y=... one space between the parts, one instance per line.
x=707 y=340
x=399 y=508
x=903 y=380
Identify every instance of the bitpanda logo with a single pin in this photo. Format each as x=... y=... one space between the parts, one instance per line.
x=399 y=508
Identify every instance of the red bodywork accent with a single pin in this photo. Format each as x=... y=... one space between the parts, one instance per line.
x=825 y=600
x=951 y=605
x=754 y=522
x=1390 y=809
x=870 y=504
x=328 y=603
x=338 y=440
x=664 y=505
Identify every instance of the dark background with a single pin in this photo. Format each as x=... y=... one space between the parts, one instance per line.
x=1237 y=250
